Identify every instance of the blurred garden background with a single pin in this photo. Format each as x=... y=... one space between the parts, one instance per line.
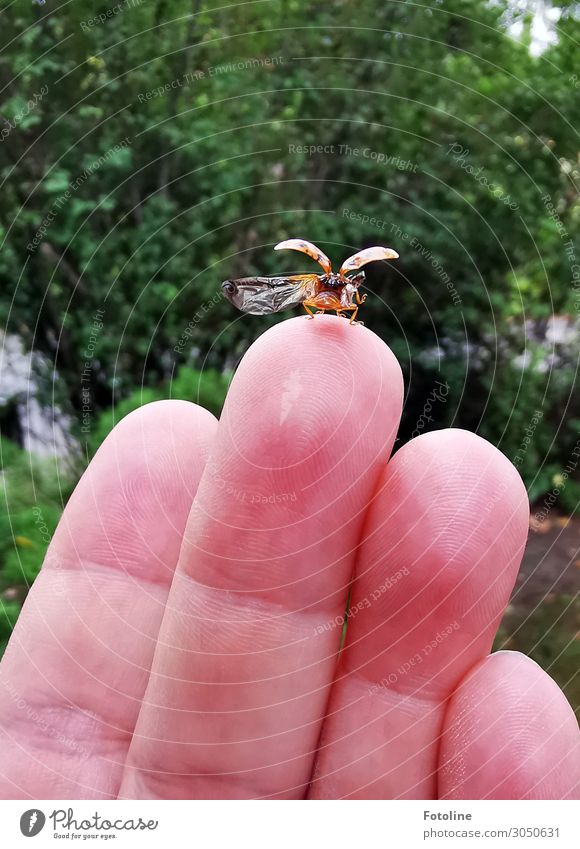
x=151 y=148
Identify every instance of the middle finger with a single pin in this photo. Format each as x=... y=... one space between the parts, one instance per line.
x=246 y=654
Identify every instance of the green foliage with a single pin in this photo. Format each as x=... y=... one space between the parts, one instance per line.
x=30 y=507
x=207 y=388
x=9 y=611
x=549 y=635
x=33 y=491
x=538 y=437
x=147 y=156
x=174 y=149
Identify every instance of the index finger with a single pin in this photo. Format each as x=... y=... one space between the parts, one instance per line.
x=251 y=633
x=76 y=667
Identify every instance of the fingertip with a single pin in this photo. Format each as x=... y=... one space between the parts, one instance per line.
x=327 y=332
x=157 y=416
x=452 y=517
x=131 y=504
x=307 y=384
x=474 y=462
x=463 y=442
x=515 y=669
x=509 y=733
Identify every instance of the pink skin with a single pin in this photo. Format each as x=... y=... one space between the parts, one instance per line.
x=181 y=640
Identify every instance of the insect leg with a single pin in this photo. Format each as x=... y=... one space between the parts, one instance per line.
x=310 y=314
x=353 y=317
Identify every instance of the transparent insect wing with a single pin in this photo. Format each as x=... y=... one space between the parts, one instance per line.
x=306 y=248
x=368 y=255
x=263 y=295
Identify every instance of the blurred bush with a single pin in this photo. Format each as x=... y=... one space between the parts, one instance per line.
x=207 y=388
x=34 y=490
x=30 y=507
x=550 y=635
x=146 y=158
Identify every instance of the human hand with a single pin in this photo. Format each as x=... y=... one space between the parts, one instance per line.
x=176 y=651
